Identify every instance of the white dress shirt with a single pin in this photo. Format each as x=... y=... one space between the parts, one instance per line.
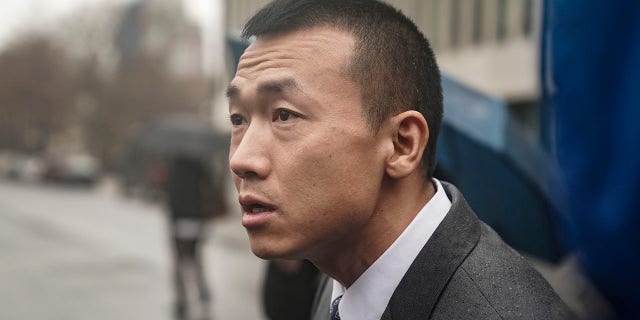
x=368 y=296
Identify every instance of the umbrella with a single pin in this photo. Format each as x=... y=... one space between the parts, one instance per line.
x=181 y=135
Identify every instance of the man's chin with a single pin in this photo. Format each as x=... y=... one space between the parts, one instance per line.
x=270 y=253
x=263 y=251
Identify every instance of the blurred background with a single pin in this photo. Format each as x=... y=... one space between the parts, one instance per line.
x=96 y=98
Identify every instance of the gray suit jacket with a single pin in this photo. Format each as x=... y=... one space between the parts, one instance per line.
x=465 y=271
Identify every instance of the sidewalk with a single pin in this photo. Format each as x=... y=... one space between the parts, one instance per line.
x=71 y=254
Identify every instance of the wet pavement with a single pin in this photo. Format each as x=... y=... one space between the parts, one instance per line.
x=70 y=253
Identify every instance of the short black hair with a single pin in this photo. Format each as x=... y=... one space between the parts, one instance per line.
x=393 y=62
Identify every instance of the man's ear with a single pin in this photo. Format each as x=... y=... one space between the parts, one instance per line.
x=410 y=134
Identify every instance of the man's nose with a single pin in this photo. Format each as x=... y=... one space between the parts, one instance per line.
x=249 y=158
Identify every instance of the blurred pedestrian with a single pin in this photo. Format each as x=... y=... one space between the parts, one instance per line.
x=289 y=288
x=194 y=197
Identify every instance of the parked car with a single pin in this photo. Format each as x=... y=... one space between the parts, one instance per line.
x=73 y=168
x=21 y=166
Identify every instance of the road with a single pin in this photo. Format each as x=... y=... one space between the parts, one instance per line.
x=71 y=254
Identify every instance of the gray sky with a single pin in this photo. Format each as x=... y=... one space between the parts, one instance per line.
x=17 y=15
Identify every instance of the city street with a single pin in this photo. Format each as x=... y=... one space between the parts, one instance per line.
x=71 y=253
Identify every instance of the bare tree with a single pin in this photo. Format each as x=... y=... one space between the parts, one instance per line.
x=141 y=90
x=69 y=87
x=35 y=93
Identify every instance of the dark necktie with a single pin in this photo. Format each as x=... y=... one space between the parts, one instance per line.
x=333 y=311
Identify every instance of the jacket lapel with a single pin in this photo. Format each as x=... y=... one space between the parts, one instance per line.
x=430 y=272
x=322 y=300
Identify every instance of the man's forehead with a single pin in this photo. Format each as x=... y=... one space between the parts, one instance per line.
x=304 y=43
x=314 y=33
x=314 y=50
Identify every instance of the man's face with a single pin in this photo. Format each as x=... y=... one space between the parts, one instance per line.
x=307 y=168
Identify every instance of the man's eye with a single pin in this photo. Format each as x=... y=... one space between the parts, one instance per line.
x=282 y=115
x=236 y=119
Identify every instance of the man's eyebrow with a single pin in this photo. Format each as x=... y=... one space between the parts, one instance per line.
x=274 y=86
x=232 y=91
x=277 y=86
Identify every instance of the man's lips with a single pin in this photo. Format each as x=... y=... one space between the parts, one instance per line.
x=256 y=211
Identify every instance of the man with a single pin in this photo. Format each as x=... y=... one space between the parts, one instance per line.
x=335 y=109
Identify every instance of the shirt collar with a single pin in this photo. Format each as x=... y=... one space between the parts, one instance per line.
x=369 y=295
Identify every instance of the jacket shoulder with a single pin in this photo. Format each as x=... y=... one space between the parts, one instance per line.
x=495 y=282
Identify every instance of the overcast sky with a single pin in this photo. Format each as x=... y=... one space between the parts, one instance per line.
x=16 y=15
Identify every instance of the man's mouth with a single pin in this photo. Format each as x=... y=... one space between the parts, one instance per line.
x=256 y=208
x=256 y=211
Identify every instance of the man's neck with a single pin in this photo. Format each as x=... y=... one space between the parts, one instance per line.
x=351 y=255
